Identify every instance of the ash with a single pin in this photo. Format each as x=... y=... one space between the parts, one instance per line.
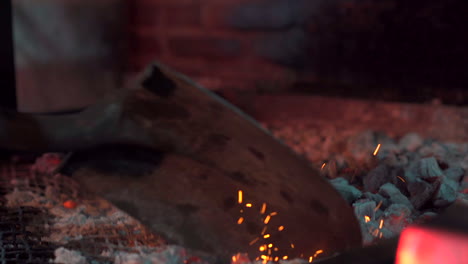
x=409 y=180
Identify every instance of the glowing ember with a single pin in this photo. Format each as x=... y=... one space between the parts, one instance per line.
x=248 y=205
x=267 y=219
x=263 y=210
x=266 y=236
x=281 y=228
x=270 y=245
x=262 y=248
x=376 y=151
x=292 y=245
x=401 y=179
x=274 y=213
x=69 y=204
x=239 y=196
x=381 y=224
x=264 y=230
x=240 y=221
x=311 y=259
x=285 y=257
x=367 y=219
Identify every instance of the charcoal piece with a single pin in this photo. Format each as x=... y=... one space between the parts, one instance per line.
x=454 y=173
x=377 y=198
x=429 y=169
x=425 y=217
x=379 y=176
x=421 y=192
x=349 y=192
x=361 y=146
x=363 y=209
x=391 y=192
x=397 y=217
x=446 y=194
x=410 y=142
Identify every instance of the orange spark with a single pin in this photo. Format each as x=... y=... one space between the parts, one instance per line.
x=270 y=245
x=266 y=236
x=264 y=257
x=262 y=248
x=276 y=258
x=281 y=228
x=323 y=166
x=240 y=221
x=378 y=206
x=285 y=257
x=311 y=258
x=263 y=210
x=320 y=251
x=275 y=249
x=367 y=219
x=248 y=205
x=267 y=219
x=239 y=196
x=401 y=179
x=377 y=150
x=234 y=258
x=292 y=245
x=264 y=230
x=254 y=241
x=274 y=213
x=381 y=223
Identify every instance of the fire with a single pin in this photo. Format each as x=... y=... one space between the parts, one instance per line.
x=274 y=213
x=376 y=151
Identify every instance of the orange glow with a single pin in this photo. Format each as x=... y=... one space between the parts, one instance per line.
x=254 y=241
x=267 y=219
x=381 y=224
x=248 y=205
x=367 y=219
x=274 y=213
x=285 y=257
x=426 y=246
x=311 y=259
x=281 y=228
x=275 y=249
x=262 y=248
x=320 y=251
x=292 y=245
x=270 y=245
x=264 y=257
x=239 y=196
x=240 y=221
x=323 y=166
x=266 y=236
x=69 y=204
x=234 y=258
x=376 y=151
x=264 y=230
x=263 y=210
x=276 y=258
x=401 y=179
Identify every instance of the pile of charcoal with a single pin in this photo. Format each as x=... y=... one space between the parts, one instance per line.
x=392 y=183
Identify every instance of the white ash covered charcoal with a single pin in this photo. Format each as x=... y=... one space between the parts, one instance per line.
x=455 y=173
x=397 y=217
x=63 y=255
x=429 y=169
x=392 y=193
x=380 y=175
x=447 y=193
x=421 y=192
x=349 y=192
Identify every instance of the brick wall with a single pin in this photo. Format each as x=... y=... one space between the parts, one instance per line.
x=415 y=49
x=199 y=39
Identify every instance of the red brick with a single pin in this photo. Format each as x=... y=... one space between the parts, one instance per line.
x=182 y=15
x=207 y=47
